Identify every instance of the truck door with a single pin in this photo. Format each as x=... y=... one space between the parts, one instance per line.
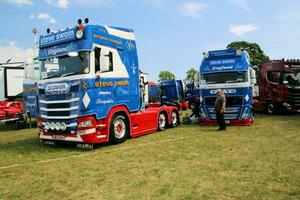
x=273 y=89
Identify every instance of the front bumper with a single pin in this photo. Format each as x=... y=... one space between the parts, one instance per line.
x=232 y=122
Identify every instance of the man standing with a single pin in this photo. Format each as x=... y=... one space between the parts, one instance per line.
x=220 y=109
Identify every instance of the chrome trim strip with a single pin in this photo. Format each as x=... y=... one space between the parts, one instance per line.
x=60 y=101
x=59 y=117
x=68 y=125
x=59 y=109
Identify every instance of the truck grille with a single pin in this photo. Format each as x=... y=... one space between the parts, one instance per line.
x=230 y=113
x=60 y=108
x=294 y=96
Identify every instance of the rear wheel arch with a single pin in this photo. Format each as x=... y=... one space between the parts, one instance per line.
x=119 y=110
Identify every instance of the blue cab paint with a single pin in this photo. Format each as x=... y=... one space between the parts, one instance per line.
x=171 y=91
x=229 y=70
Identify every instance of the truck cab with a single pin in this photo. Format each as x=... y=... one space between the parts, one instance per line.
x=279 y=86
x=89 y=91
x=171 y=91
x=230 y=71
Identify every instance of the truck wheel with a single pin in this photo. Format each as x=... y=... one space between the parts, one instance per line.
x=271 y=107
x=162 y=121
x=118 y=129
x=174 y=119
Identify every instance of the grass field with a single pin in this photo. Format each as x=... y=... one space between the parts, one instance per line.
x=189 y=162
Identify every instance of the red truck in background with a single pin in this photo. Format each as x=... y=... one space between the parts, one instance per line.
x=278 y=87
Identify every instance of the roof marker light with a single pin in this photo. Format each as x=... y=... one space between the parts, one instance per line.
x=80 y=27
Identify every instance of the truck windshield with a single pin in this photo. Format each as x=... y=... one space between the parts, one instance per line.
x=66 y=66
x=292 y=78
x=224 y=77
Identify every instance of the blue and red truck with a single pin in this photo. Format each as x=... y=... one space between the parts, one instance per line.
x=89 y=91
x=229 y=70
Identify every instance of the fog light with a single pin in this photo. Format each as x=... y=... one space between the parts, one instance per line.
x=63 y=126
x=57 y=126
x=52 y=126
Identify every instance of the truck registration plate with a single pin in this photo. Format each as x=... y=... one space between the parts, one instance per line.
x=59 y=137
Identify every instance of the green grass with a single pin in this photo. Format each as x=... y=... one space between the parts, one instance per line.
x=189 y=162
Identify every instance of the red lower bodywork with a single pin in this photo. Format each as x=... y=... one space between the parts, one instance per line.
x=140 y=123
x=243 y=122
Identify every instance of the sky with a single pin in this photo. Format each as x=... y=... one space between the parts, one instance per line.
x=170 y=34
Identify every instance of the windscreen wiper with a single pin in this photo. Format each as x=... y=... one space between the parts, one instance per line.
x=70 y=74
x=233 y=81
x=51 y=76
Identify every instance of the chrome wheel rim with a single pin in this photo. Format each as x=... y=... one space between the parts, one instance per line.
x=162 y=120
x=119 y=128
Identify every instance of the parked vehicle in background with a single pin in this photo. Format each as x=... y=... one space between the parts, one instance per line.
x=153 y=92
x=278 y=86
x=230 y=71
x=11 y=81
x=171 y=91
x=30 y=90
x=91 y=89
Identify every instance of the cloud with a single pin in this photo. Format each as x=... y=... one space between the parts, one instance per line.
x=157 y=3
x=18 y=2
x=192 y=8
x=63 y=4
x=93 y=3
x=46 y=17
x=15 y=53
x=242 y=30
x=243 y=4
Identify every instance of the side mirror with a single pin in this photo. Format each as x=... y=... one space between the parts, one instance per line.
x=285 y=82
x=252 y=76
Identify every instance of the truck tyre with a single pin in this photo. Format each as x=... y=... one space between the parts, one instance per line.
x=162 y=121
x=271 y=107
x=119 y=128
x=174 y=119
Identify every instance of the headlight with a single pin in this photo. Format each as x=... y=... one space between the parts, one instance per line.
x=246 y=113
x=85 y=124
x=202 y=114
x=286 y=104
x=47 y=125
